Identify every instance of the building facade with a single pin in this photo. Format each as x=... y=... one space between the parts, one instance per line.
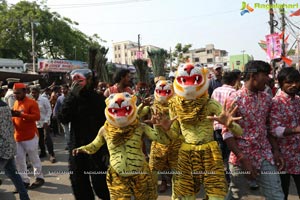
x=127 y=51
x=208 y=56
x=239 y=61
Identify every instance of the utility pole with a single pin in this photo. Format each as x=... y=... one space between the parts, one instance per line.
x=271 y=22
x=298 y=52
x=139 y=47
x=33 y=51
x=171 y=69
x=271 y=12
x=243 y=51
x=283 y=30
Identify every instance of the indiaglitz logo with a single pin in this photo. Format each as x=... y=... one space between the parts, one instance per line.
x=246 y=8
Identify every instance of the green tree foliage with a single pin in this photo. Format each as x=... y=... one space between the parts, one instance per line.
x=55 y=36
x=111 y=68
x=97 y=58
x=179 y=51
x=158 y=60
x=142 y=70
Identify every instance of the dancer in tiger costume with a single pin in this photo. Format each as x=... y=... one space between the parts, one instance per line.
x=163 y=158
x=199 y=158
x=128 y=174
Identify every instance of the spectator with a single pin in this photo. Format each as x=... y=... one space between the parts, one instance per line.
x=8 y=150
x=220 y=94
x=25 y=114
x=255 y=150
x=9 y=97
x=285 y=125
x=102 y=86
x=122 y=83
x=215 y=81
x=43 y=124
x=57 y=109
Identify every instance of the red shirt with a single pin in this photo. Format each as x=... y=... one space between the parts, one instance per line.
x=114 y=89
x=255 y=109
x=25 y=125
x=285 y=113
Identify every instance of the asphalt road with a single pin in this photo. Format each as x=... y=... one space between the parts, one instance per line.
x=57 y=184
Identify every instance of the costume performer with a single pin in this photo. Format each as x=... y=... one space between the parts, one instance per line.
x=84 y=108
x=199 y=158
x=128 y=174
x=163 y=158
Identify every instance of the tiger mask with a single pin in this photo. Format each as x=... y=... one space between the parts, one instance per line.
x=163 y=91
x=191 y=81
x=121 y=109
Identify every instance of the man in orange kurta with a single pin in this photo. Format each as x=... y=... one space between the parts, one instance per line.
x=25 y=114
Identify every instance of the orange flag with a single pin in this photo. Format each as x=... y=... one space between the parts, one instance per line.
x=287 y=60
x=296 y=13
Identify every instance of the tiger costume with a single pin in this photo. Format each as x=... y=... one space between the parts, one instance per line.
x=163 y=158
x=199 y=157
x=128 y=174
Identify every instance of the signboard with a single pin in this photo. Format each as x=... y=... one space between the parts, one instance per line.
x=273 y=46
x=52 y=65
x=139 y=54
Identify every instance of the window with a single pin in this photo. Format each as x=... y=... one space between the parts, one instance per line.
x=196 y=60
x=119 y=47
x=209 y=60
x=209 y=51
x=115 y=48
x=238 y=62
x=125 y=54
x=116 y=56
x=119 y=55
x=125 y=47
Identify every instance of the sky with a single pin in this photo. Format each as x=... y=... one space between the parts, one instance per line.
x=164 y=23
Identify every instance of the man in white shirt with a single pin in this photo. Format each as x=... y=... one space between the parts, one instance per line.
x=9 y=97
x=43 y=124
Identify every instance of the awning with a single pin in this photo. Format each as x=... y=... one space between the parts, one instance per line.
x=22 y=76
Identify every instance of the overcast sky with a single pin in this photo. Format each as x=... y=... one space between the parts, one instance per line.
x=164 y=23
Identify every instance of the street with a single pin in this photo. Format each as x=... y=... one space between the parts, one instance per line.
x=57 y=184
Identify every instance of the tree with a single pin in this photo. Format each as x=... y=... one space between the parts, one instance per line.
x=54 y=35
x=179 y=51
x=142 y=70
x=97 y=58
x=158 y=60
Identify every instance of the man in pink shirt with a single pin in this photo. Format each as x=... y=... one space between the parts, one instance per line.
x=285 y=125
x=254 y=155
x=220 y=94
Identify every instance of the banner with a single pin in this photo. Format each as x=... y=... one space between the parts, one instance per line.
x=52 y=65
x=273 y=46
x=139 y=54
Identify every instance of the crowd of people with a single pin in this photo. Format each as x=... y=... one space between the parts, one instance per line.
x=252 y=142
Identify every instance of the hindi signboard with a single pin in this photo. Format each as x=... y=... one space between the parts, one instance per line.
x=55 y=65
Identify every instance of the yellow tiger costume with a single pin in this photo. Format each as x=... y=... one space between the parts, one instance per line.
x=199 y=159
x=163 y=158
x=128 y=174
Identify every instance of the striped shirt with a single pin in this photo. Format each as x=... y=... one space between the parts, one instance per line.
x=220 y=94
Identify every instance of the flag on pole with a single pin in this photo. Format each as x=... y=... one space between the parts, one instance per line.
x=287 y=60
x=296 y=13
x=263 y=45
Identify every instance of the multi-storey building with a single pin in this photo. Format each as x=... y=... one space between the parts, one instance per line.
x=127 y=51
x=208 y=56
